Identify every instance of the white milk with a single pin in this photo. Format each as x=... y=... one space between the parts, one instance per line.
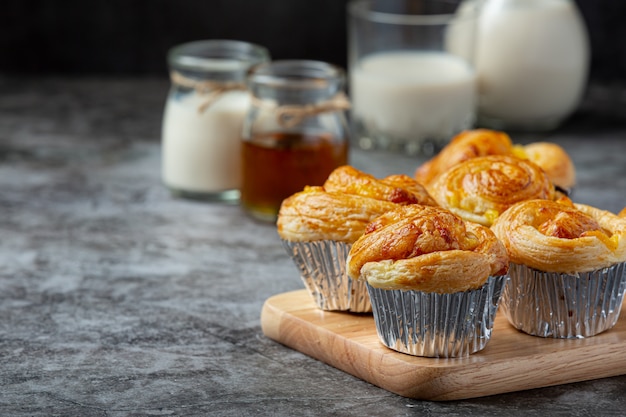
x=202 y=151
x=413 y=95
x=532 y=59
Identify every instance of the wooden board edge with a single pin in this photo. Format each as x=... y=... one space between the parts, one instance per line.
x=435 y=383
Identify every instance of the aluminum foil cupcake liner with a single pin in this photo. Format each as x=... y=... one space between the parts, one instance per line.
x=322 y=266
x=550 y=304
x=436 y=325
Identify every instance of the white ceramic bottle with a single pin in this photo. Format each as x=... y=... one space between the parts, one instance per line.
x=532 y=59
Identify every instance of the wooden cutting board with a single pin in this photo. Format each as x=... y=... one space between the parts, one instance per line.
x=512 y=361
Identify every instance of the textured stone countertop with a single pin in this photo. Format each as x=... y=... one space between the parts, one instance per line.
x=117 y=299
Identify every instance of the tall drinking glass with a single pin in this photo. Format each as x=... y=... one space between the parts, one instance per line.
x=412 y=81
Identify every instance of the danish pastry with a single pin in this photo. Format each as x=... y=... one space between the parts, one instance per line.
x=426 y=249
x=551 y=157
x=345 y=204
x=560 y=236
x=400 y=189
x=466 y=145
x=481 y=188
x=315 y=214
x=567 y=271
x=319 y=224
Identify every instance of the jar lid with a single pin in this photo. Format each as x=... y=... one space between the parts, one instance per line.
x=298 y=74
x=217 y=56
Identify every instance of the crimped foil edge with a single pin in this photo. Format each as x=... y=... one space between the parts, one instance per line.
x=436 y=325
x=565 y=306
x=322 y=266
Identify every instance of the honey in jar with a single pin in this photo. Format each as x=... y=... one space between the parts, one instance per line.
x=277 y=165
x=295 y=133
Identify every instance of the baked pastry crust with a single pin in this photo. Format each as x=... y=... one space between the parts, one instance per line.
x=561 y=236
x=345 y=204
x=314 y=214
x=426 y=249
x=622 y=213
x=551 y=157
x=400 y=189
x=466 y=145
x=481 y=188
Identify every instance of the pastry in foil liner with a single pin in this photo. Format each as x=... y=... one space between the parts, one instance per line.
x=436 y=325
x=559 y=305
x=322 y=266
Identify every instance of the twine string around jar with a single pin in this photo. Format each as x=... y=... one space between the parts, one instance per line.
x=291 y=115
x=212 y=90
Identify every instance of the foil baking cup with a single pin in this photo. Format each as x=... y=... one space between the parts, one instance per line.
x=322 y=266
x=436 y=325
x=559 y=305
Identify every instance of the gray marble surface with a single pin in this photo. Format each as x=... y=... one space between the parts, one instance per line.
x=117 y=299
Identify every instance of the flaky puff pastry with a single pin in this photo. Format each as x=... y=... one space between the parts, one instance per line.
x=480 y=189
x=622 y=213
x=315 y=214
x=561 y=236
x=466 y=145
x=426 y=249
x=345 y=204
x=551 y=157
x=400 y=189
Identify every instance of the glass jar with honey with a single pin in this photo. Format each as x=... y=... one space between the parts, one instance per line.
x=295 y=133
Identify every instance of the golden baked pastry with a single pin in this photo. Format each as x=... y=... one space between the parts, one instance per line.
x=400 y=189
x=560 y=236
x=314 y=214
x=481 y=188
x=466 y=145
x=345 y=204
x=551 y=157
x=622 y=213
x=426 y=249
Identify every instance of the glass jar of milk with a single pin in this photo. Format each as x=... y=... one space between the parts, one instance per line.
x=203 y=118
x=532 y=62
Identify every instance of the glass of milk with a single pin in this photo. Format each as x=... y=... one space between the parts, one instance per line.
x=412 y=81
x=203 y=118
